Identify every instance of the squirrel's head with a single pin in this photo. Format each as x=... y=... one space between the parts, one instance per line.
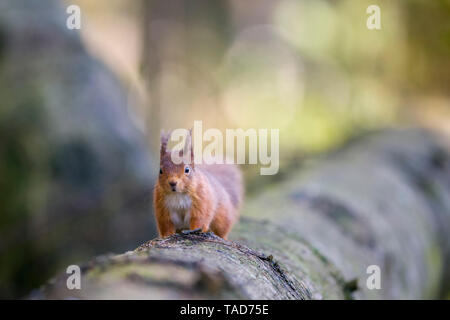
x=176 y=177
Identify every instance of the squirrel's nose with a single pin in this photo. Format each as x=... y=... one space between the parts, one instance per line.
x=172 y=183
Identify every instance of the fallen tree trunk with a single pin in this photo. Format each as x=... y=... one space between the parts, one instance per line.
x=383 y=200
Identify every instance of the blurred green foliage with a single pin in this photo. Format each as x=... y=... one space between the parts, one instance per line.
x=308 y=67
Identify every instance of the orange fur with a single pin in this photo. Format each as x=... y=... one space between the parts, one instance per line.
x=207 y=197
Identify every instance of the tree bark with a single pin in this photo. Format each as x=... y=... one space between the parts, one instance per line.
x=383 y=200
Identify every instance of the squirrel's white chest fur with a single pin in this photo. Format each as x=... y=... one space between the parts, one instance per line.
x=179 y=207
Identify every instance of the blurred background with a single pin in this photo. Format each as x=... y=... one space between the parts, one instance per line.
x=81 y=111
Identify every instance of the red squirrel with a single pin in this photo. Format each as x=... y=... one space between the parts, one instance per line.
x=190 y=196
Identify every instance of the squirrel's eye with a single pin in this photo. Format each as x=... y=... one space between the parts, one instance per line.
x=186 y=170
x=160 y=171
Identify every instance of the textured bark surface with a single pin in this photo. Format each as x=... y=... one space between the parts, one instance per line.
x=384 y=199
